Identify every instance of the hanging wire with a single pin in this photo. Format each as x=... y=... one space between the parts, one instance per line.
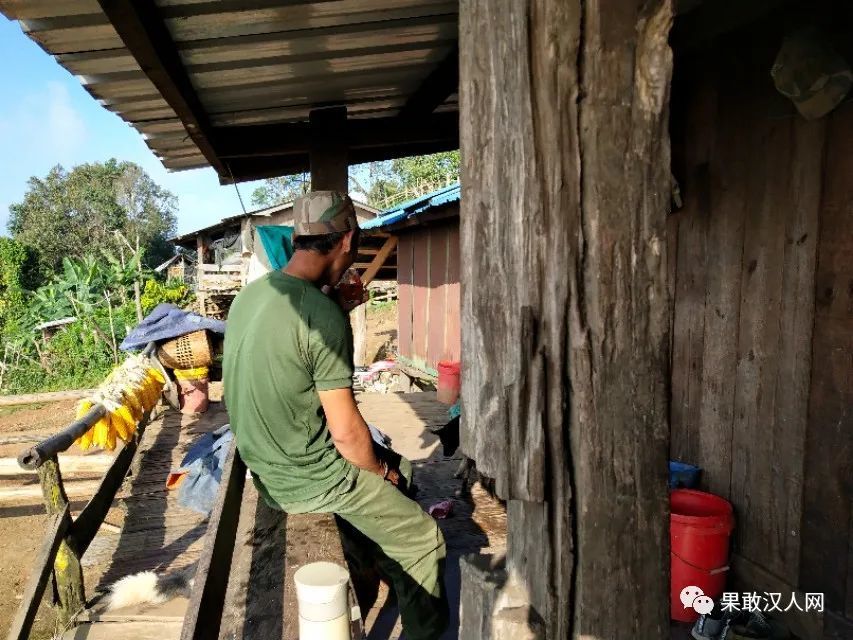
x=234 y=182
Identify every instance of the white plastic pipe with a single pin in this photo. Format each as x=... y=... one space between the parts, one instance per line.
x=321 y=592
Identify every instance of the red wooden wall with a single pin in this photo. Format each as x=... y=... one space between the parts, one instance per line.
x=428 y=275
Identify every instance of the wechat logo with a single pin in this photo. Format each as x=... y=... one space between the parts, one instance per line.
x=694 y=598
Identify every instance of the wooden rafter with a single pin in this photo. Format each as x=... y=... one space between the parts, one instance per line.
x=141 y=28
x=272 y=166
x=290 y=139
x=438 y=86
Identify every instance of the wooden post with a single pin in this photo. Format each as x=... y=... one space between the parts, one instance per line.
x=329 y=161
x=358 y=321
x=201 y=248
x=67 y=572
x=565 y=312
x=328 y=154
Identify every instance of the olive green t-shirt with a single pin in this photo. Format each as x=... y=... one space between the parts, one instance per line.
x=285 y=341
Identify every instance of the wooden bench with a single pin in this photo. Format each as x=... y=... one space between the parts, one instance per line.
x=261 y=601
x=244 y=582
x=243 y=586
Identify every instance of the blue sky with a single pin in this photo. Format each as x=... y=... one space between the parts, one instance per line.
x=47 y=118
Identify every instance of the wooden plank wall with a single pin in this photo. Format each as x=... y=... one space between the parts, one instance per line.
x=428 y=308
x=826 y=562
x=765 y=228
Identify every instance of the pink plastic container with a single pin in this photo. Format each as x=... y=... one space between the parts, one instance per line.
x=449 y=381
x=193 y=395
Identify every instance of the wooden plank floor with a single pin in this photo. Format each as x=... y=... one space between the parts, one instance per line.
x=478 y=523
x=156 y=533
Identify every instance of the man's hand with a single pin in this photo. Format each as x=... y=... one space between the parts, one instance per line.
x=393 y=476
x=347 y=305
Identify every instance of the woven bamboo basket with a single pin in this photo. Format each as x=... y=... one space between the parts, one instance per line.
x=187 y=352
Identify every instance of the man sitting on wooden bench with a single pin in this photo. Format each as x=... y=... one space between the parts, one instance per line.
x=288 y=371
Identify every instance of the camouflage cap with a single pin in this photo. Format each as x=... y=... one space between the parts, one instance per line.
x=321 y=212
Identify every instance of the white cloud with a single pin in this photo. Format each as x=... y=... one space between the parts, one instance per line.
x=65 y=127
x=43 y=124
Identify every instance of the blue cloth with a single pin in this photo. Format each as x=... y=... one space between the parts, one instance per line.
x=165 y=322
x=278 y=243
x=203 y=465
x=379 y=437
x=456 y=410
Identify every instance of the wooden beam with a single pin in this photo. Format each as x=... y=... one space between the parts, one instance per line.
x=294 y=138
x=204 y=611
x=140 y=26
x=438 y=86
x=69 y=464
x=327 y=151
x=36 y=398
x=257 y=168
x=566 y=386
x=92 y=517
x=56 y=529
x=67 y=571
x=377 y=263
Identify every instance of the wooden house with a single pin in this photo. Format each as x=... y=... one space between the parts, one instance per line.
x=230 y=252
x=179 y=267
x=428 y=274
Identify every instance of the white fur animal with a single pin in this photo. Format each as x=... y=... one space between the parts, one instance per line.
x=147 y=587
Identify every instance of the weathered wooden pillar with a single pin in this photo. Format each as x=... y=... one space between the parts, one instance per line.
x=565 y=312
x=67 y=572
x=328 y=155
x=199 y=276
x=329 y=161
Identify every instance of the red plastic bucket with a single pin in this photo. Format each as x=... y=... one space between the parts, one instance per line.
x=448 y=381
x=699 y=531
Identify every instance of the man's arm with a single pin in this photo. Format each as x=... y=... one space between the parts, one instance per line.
x=350 y=433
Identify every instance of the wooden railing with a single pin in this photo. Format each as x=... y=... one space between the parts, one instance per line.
x=213 y=278
x=67 y=539
x=204 y=613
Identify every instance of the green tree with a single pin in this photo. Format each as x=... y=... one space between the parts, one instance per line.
x=77 y=212
x=18 y=273
x=283 y=189
x=393 y=181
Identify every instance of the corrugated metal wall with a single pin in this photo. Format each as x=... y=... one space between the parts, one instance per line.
x=428 y=275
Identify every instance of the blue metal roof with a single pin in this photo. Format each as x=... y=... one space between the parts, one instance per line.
x=415 y=207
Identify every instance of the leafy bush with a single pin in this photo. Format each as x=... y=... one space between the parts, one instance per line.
x=99 y=293
x=172 y=291
x=18 y=272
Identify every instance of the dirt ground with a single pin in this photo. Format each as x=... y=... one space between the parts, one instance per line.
x=21 y=524
x=381 y=331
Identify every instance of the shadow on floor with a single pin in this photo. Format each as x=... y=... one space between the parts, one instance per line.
x=434 y=477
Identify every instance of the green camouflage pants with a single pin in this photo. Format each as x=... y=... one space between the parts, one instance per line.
x=381 y=526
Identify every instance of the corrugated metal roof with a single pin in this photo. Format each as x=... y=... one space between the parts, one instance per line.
x=415 y=207
x=251 y=62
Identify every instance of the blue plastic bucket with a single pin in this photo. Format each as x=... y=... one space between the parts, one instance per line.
x=683 y=475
